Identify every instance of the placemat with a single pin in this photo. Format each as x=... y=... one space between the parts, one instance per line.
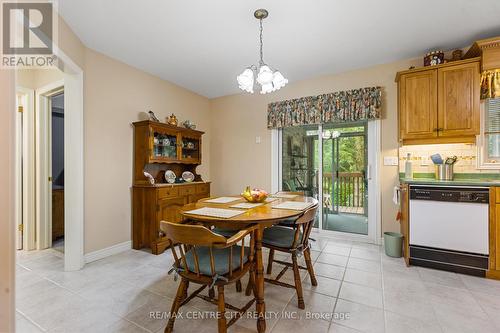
x=215 y=212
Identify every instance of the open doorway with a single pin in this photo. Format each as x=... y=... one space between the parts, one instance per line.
x=57 y=159
x=49 y=142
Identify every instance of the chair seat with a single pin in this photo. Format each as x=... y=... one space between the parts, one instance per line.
x=221 y=259
x=225 y=232
x=290 y=222
x=279 y=236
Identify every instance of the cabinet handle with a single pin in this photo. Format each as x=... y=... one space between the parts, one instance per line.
x=435 y=130
x=440 y=129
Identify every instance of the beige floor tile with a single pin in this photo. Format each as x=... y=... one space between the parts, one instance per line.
x=448 y=279
x=45 y=265
x=411 y=303
x=326 y=286
x=318 y=305
x=329 y=271
x=332 y=259
x=290 y=325
x=154 y=314
x=23 y=325
x=491 y=305
x=90 y=321
x=361 y=317
x=337 y=249
x=395 y=323
x=368 y=254
x=335 y=328
x=481 y=285
x=372 y=280
x=457 y=300
x=124 y=326
x=53 y=314
x=455 y=322
x=361 y=294
x=364 y=265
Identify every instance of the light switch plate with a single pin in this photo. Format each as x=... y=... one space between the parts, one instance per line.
x=391 y=160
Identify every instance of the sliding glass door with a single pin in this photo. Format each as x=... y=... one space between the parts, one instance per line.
x=330 y=163
x=344 y=181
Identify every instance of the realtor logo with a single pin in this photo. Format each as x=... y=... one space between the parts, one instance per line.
x=28 y=32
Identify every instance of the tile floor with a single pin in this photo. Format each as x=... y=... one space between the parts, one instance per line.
x=360 y=290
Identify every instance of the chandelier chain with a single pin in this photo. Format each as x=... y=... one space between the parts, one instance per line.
x=261 y=45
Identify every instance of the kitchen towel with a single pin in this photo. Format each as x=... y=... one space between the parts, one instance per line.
x=396 y=194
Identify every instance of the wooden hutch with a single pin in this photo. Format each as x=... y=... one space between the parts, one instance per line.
x=159 y=147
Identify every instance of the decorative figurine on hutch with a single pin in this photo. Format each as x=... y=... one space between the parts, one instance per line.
x=188 y=124
x=172 y=120
x=153 y=117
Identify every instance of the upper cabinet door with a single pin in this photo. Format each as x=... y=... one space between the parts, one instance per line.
x=458 y=100
x=418 y=105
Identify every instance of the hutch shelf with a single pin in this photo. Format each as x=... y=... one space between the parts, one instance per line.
x=159 y=147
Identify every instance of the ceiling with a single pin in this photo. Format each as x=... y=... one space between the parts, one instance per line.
x=203 y=45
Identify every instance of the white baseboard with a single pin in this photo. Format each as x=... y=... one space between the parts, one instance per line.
x=108 y=251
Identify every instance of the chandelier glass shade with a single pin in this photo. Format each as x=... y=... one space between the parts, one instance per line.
x=269 y=80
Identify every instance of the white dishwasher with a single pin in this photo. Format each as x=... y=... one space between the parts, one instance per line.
x=449 y=228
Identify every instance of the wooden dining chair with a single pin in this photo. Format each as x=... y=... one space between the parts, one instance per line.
x=205 y=258
x=292 y=239
x=291 y=221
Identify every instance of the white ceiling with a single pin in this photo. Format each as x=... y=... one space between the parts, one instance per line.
x=203 y=45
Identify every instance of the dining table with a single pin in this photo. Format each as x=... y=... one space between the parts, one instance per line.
x=263 y=216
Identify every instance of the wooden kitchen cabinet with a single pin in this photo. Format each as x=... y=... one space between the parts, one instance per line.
x=439 y=104
x=404 y=221
x=494 y=234
x=458 y=100
x=418 y=105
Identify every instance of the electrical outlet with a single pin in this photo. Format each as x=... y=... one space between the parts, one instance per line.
x=391 y=160
x=257 y=139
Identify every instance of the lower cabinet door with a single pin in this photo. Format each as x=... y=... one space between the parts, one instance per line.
x=169 y=209
x=199 y=196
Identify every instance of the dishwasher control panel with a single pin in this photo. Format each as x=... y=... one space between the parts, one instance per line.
x=450 y=194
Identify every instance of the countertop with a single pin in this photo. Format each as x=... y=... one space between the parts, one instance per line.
x=172 y=185
x=456 y=182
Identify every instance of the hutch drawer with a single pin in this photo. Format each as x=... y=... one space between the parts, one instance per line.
x=187 y=190
x=167 y=192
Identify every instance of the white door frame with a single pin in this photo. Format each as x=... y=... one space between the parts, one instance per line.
x=73 y=162
x=373 y=177
x=27 y=201
x=44 y=162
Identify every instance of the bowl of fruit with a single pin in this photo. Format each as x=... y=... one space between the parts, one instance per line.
x=255 y=195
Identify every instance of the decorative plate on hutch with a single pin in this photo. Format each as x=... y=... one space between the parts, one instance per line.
x=170 y=176
x=187 y=176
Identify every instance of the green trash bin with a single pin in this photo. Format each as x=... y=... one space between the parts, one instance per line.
x=393 y=242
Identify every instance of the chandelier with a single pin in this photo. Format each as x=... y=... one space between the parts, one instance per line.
x=270 y=80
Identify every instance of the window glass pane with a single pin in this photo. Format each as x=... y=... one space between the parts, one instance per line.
x=492 y=130
x=300 y=159
x=493 y=145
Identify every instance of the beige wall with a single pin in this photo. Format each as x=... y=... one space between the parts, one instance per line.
x=7 y=246
x=114 y=96
x=37 y=78
x=237 y=161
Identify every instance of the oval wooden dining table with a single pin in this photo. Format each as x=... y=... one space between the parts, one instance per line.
x=264 y=216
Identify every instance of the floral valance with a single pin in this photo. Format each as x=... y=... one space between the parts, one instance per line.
x=490 y=84
x=341 y=106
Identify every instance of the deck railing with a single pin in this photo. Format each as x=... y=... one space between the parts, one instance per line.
x=348 y=189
